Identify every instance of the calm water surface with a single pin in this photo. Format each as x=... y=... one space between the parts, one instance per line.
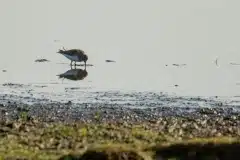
x=144 y=38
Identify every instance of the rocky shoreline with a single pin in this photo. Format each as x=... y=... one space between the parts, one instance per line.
x=58 y=129
x=201 y=121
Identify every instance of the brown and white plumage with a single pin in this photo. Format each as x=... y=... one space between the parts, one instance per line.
x=75 y=55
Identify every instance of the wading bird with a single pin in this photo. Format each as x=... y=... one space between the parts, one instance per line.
x=75 y=55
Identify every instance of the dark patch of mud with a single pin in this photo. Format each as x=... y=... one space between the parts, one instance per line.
x=110 y=61
x=69 y=89
x=42 y=60
x=236 y=64
x=14 y=85
x=40 y=86
x=73 y=88
x=56 y=40
x=179 y=65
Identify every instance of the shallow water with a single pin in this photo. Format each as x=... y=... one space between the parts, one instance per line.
x=145 y=44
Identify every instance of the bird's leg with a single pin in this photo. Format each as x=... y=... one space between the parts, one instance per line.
x=71 y=63
x=85 y=65
x=75 y=63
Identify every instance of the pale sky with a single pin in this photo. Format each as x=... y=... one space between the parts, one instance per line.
x=156 y=27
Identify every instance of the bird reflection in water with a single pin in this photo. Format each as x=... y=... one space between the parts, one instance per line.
x=74 y=74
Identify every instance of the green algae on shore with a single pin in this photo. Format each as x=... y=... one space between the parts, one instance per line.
x=31 y=139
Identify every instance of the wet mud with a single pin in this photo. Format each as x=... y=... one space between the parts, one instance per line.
x=41 y=60
x=81 y=102
x=109 y=60
x=113 y=109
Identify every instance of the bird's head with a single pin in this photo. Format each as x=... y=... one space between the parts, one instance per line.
x=85 y=58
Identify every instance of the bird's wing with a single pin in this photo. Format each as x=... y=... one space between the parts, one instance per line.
x=71 y=52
